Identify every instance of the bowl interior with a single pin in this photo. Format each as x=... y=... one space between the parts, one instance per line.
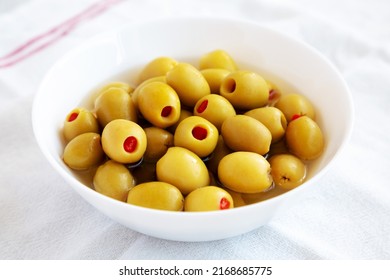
x=120 y=54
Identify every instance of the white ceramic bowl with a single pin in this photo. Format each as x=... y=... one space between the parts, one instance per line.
x=291 y=64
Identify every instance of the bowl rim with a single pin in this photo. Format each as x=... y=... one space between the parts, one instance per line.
x=73 y=181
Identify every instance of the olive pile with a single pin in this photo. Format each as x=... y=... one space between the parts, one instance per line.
x=194 y=139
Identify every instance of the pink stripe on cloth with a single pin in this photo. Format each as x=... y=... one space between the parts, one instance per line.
x=42 y=41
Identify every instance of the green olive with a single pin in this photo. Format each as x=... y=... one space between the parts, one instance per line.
x=159 y=140
x=245 y=172
x=219 y=152
x=214 y=108
x=156 y=195
x=209 y=198
x=197 y=135
x=188 y=82
x=295 y=105
x=214 y=78
x=183 y=169
x=79 y=121
x=246 y=90
x=125 y=86
x=272 y=118
x=279 y=147
x=159 y=104
x=113 y=179
x=217 y=59
x=114 y=103
x=244 y=133
x=183 y=115
x=304 y=138
x=134 y=95
x=287 y=171
x=124 y=141
x=274 y=93
x=84 y=151
x=157 y=67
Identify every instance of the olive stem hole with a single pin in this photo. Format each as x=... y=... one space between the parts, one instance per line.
x=230 y=86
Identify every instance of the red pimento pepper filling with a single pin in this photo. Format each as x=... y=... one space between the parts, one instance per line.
x=73 y=116
x=202 y=106
x=272 y=94
x=130 y=144
x=295 y=116
x=166 y=111
x=224 y=203
x=199 y=133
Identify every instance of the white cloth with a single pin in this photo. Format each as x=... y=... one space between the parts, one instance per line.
x=346 y=216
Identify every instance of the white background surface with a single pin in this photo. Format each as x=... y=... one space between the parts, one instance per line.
x=345 y=217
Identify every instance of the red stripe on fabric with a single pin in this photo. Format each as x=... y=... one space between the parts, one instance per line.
x=29 y=48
